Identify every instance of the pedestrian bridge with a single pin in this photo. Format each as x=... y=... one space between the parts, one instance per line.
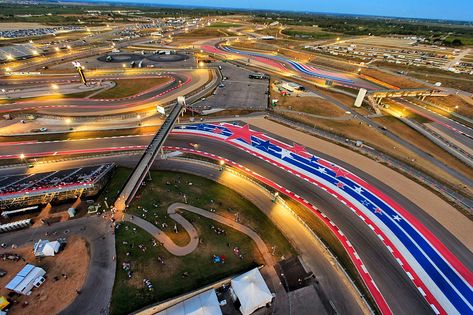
x=142 y=168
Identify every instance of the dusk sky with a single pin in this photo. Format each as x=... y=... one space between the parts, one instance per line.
x=437 y=9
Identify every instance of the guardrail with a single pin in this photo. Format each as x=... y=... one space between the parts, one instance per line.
x=436 y=138
x=281 y=201
x=458 y=199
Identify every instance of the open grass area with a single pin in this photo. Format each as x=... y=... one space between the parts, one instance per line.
x=396 y=80
x=310 y=105
x=129 y=87
x=111 y=191
x=309 y=33
x=224 y=25
x=307 y=104
x=168 y=279
x=206 y=32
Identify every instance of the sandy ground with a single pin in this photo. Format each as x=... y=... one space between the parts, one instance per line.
x=436 y=207
x=20 y=26
x=52 y=296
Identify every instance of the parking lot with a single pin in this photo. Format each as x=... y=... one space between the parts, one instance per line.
x=238 y=91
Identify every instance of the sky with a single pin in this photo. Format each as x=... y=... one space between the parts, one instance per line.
x=435 y=9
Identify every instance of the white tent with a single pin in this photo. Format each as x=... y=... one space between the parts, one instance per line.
x=252 y=291
x=46 y=248
x=205 y=303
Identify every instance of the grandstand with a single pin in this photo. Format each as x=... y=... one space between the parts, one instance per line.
x=42 y=188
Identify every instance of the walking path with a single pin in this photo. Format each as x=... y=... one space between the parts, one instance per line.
x=176 y=250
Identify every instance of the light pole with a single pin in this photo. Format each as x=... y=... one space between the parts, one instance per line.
x=275 y=196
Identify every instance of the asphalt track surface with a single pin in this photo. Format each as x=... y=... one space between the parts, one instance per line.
x=458 y=131
x=393 y=282
x=177 y=80
x=283 y=64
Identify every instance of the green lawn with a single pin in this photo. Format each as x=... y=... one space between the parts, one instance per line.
x=168 y=281
x=128 y=87
x=224 y=25
x=111 y=191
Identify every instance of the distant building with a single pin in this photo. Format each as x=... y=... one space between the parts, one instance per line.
x=28 y=278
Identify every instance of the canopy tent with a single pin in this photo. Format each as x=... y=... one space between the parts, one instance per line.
x=205 y=303
x=3 y=302
x=46 y=248
x=252 y=291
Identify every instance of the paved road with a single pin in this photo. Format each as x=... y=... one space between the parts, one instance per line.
x=393 y=282
x=165 y=240
x=332 y=281
x=183 y=82
x=97 y=291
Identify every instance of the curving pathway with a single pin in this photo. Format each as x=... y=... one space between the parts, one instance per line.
x=176 y=250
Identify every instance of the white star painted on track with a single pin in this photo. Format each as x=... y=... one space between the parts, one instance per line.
x=358 y=190
x=365 y=203
x=397 y=217
x=285 y=153
x=322 y=170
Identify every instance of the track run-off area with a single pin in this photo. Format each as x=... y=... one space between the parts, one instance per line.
x=436 y=273
x=440 y=277
x=283 y=64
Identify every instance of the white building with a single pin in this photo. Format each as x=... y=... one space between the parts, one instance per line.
x=252 y=291
x=205 y=303
x=46 y=248
x=28 y=277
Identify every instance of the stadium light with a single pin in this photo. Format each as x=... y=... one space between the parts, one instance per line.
x=22 y=156
x=54 y=86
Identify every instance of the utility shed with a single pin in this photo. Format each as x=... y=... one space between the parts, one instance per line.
x=28 y=277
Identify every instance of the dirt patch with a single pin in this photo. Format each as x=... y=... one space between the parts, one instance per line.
x=412 y=136
x=54 y=295
x=455 y=104
x=307 y=104
x=370 y=136
x=392 y=79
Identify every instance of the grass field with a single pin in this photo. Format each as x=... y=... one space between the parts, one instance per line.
x=125 y=88
x=168 y=279
x=307 y=104
x=309 y=33
x=206 y=32
x=224 y=25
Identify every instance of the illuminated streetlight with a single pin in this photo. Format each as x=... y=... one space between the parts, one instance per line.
x=123 y=65
x=10 y=57
x=35 y=53
x=68 y=120
x=7 y=69
x=54 y=86
x=222 y=164
x=56 y=48
x=22 y=156
x=276 y=194
x=69 y=47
